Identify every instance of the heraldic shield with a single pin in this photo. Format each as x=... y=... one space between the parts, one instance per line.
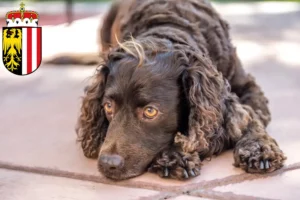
x=22 y=41
x=22 y=49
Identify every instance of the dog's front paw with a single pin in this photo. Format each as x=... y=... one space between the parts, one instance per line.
x=176 y=165
x=258 y=156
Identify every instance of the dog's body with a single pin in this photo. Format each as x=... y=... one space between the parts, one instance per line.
x=172 y=96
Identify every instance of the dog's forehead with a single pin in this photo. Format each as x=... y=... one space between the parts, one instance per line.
x=147 y=81
x=148 y=75
x=162 y=65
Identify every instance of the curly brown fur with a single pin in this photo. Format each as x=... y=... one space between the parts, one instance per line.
x=92 y=124
x=182 y=63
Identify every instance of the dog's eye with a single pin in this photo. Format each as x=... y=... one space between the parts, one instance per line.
x=108 y=108
x=150 y=112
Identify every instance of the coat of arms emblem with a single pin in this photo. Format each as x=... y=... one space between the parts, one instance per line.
x=22 y=41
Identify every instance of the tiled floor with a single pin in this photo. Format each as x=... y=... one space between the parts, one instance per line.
x=282 y=186
x=39 y=156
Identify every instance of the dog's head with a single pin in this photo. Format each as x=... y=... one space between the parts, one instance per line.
x=140 y=98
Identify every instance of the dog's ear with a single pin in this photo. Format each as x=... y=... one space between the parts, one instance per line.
x=202 y=85
x=92 y=123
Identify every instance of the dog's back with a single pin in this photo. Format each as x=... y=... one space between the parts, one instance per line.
x=191 y=22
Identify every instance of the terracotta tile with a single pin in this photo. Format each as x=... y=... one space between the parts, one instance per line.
x=286 y=132
x=25 y=186
x=283 y=186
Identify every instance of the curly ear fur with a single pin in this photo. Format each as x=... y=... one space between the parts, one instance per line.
x=204 y=87
x=92 y=123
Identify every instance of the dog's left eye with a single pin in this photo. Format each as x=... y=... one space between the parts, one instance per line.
x=108 y=108
x=150 y=112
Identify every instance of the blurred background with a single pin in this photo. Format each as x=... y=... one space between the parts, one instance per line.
x=255 y=20
x=78 y=7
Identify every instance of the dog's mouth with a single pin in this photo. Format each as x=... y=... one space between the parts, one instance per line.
x=119 y=175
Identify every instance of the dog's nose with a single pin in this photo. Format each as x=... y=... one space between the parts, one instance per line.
x=111 y=162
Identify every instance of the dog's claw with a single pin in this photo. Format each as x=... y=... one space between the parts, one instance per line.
x=166 y=172
x=197 y=171
x=261 y=166
x=185 y=174
x=192 y=173
x=250 y=164
x=267 y=164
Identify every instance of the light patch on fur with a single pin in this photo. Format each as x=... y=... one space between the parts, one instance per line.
x=187 y=145
x=134 y=48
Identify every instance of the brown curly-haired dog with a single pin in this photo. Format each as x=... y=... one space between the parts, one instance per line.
x=173 y=95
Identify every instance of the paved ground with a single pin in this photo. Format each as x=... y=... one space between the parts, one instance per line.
x=39 y=157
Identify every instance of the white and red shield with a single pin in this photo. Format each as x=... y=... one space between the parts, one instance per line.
x=22 y=49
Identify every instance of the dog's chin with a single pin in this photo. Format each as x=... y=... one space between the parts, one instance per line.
x=119 y=175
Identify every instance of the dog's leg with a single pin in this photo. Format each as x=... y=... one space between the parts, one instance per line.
x=249 y=92
x=255 y=151
x=175 y=163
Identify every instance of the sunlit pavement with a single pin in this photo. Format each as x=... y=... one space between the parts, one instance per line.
x=39 y=157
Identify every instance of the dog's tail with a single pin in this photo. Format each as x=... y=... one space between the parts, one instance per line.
x=74 y=59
